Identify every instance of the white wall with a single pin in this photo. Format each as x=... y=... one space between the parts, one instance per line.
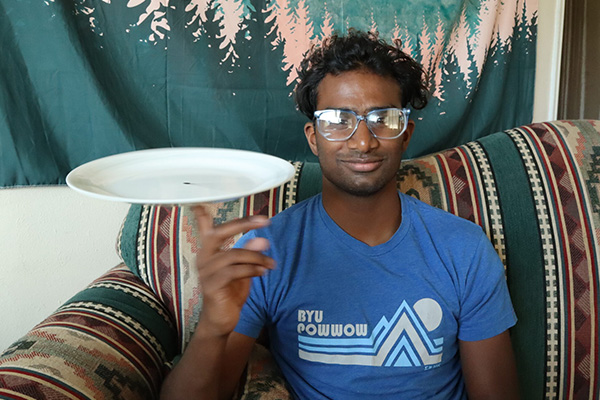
x=547 y=74
x=53 y=241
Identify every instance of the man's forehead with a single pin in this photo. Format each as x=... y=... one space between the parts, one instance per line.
x=358 y=90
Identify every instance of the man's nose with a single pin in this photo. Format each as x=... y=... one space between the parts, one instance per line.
x=362 y=139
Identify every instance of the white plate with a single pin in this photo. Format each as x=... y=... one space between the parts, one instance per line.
x=182 y=175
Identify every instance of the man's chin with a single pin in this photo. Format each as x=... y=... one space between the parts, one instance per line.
x=359 y=190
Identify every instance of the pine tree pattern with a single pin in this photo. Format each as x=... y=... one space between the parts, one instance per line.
x=464 y=40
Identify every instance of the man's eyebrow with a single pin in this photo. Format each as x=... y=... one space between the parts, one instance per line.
x=382 y=107
x=368 y=110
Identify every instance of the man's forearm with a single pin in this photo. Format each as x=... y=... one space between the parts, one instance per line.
x=198 y=373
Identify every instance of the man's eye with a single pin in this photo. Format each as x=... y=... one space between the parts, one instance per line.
x=375 y=119
x=337 y=121
x=337 y=124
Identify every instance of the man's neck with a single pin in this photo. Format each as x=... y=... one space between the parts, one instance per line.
x=371 y=219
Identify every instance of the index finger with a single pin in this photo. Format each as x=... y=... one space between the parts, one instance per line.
x=214 y=236
x=203 y=218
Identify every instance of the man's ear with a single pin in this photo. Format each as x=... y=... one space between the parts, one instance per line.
x=410 y=128
x=311 y=137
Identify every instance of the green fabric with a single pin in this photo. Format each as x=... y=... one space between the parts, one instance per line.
x=525 y=262
x=128 y=238
x=137 y=309
x=310 y=182
x=83 y=79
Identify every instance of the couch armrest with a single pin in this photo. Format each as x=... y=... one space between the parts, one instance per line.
x=112 y=340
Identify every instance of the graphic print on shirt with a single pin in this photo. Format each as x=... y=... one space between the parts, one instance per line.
x=402 y=341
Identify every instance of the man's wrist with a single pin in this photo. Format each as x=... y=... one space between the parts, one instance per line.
x=207 y=331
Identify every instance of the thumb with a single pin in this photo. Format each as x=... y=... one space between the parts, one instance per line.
x=257 y=244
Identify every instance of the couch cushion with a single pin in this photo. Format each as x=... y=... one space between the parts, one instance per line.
x=561 y=265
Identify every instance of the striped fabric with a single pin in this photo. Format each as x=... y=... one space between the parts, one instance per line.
x=534 y=190
x=111 y=341
x=563 y=166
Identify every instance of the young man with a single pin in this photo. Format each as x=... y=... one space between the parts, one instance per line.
x=365 y=292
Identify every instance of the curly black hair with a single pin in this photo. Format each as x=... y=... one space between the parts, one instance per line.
x=354 y=51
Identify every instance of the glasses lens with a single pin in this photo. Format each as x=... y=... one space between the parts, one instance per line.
x=336 y=124
x=386 y=123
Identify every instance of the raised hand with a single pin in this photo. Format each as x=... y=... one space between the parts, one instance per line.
x=225 y=275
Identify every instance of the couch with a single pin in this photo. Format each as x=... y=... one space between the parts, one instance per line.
x=533 y=189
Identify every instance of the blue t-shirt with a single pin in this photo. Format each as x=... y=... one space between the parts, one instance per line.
x=351 y=321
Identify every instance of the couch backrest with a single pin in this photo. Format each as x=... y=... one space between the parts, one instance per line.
x=535 y=192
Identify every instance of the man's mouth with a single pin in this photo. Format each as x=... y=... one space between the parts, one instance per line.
x=362 y=164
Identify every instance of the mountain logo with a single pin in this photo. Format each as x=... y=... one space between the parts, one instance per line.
x=402 y=341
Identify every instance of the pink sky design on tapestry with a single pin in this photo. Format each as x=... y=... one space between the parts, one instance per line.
x=461 y=44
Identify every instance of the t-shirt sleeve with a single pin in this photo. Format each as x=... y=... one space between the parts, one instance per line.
x=253 y=314
x=486 y=308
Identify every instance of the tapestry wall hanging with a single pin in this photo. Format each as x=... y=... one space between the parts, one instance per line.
x=83 y=79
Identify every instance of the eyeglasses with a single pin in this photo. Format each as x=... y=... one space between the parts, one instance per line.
x=339 y=125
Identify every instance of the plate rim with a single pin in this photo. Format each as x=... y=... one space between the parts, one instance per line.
x=287 y=171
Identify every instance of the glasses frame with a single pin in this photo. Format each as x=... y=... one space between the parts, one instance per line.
x=359 y=117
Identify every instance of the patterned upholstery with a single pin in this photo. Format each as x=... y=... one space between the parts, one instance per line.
x=533 y=189
x=113 y=340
